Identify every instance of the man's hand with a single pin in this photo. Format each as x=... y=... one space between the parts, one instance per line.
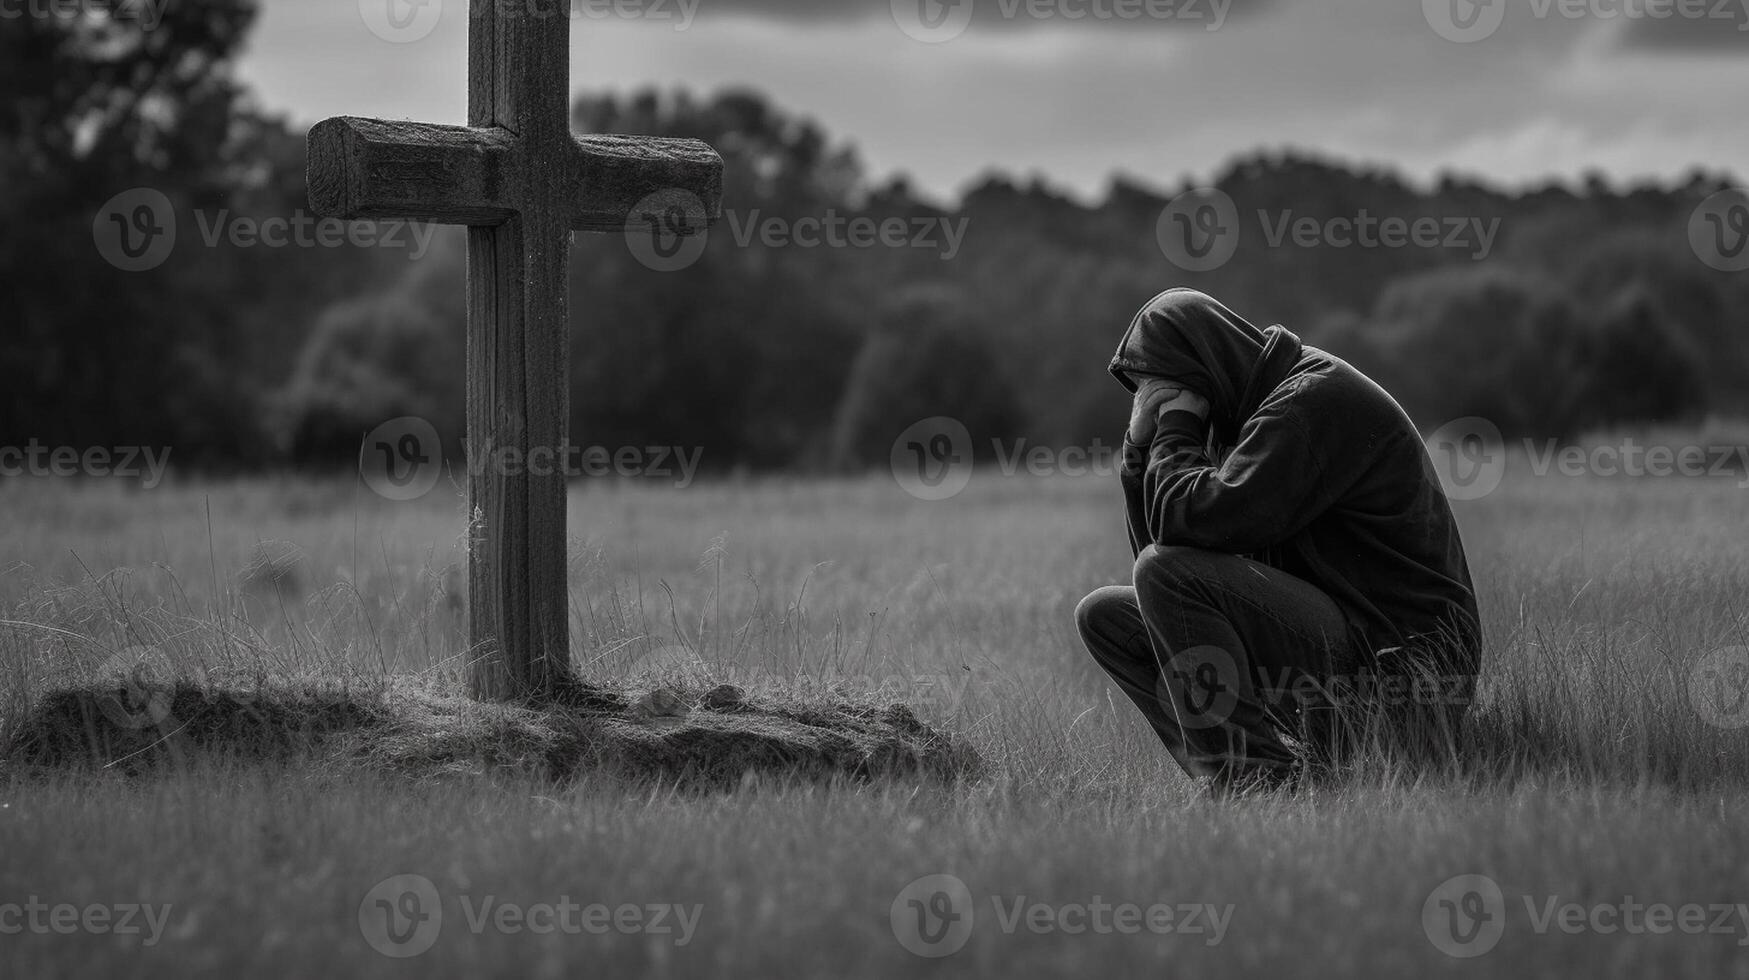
x=1154 y=398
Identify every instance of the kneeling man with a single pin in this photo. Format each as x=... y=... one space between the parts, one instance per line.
x=1294 y=550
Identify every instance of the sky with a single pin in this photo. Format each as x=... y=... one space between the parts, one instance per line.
x=1163 y=91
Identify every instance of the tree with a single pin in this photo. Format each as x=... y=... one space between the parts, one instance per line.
x=98 y=104
x=921 y=362
x=1474 y=341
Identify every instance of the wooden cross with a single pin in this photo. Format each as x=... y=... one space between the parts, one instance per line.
x=521 y=182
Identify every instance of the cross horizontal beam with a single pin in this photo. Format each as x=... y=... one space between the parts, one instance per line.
x=381 y=169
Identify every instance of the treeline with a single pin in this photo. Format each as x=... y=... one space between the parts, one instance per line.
x=1587 y=306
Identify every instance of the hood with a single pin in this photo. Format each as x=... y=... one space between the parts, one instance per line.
x=1192 y=338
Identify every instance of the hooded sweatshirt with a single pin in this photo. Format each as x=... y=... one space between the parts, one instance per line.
x=1304 y=464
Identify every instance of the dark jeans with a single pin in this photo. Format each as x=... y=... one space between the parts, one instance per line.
x=1223 y=655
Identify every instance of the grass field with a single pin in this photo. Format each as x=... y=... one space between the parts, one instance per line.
x=1594 y=787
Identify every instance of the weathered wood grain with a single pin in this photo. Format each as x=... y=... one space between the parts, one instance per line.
x=461 y=175
x=518 y=354
x=376 y=168
x=611 y=174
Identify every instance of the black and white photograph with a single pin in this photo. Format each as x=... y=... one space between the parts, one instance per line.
x=874 y=488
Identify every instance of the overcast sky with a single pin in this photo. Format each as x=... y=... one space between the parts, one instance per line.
x=1024 y=88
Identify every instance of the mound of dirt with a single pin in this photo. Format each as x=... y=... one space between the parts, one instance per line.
x=706 y=739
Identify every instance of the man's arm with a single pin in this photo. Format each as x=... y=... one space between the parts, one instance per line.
x=1277 y=480
x=1155 y=398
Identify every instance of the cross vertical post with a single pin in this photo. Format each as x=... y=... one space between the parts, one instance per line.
x=522 y=183
x=518 y=358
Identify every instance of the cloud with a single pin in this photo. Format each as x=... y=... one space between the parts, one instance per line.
x=1361 y=79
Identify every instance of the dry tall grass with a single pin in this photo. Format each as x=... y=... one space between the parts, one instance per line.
x=1586 y=771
